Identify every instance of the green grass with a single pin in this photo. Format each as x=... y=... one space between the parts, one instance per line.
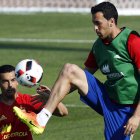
x=81 y=123
x=46 y=26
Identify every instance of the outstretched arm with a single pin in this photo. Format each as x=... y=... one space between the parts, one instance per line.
x=60 y=110
x=43 y=96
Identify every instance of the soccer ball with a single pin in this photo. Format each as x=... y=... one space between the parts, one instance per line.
x=28 y=72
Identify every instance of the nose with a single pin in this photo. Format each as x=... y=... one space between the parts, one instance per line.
x=10 y=84
x=95 y=27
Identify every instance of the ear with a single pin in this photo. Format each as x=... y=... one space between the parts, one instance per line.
x=112 y=22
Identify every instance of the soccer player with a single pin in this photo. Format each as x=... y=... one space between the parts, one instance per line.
x=116 y=53
x=11 y=128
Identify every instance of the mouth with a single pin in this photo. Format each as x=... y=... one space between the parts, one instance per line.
x=11 y=90
x=10 y=93
x=99 y=34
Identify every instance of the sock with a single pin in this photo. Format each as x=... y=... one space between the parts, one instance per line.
x=43 y=116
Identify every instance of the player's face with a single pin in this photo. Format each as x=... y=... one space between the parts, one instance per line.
x=101 y=25
x=8 y=84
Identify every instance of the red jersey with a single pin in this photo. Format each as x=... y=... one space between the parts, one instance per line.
x=11 y=127
x=133 y=46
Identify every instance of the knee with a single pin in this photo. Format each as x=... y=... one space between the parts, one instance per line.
x=69 y=70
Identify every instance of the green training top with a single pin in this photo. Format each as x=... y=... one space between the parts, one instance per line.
x=123 y=80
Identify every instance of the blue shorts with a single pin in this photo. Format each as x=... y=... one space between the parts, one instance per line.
x=115 y=115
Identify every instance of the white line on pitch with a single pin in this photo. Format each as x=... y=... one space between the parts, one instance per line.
x=44 y=40
x=76 y=106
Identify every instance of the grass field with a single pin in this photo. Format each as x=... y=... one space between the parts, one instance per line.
x=82 y=122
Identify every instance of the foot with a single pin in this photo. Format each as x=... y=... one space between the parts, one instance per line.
x=29 y=119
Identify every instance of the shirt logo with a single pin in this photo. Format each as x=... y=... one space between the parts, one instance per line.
x=3 y=118
x=117 y=56
x=47 y=115
x=30 y=122
x=105 y=68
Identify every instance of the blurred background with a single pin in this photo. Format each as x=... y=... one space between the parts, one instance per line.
x=55 y=32
x=125 y=7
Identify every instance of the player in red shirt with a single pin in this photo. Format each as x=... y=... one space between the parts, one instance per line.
x=11 y=128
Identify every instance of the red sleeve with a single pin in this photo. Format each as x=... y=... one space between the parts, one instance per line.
x=25 y=100
x=134 y=49
x=91 y=61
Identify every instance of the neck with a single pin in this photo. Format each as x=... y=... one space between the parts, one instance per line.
x=114 y=33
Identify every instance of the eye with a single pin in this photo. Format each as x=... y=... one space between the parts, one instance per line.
x=14 y=79
x=4 y=82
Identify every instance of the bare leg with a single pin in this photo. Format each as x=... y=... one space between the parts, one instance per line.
x=71 y=75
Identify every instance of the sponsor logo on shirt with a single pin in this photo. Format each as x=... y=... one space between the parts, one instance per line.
x=105 y=69
x=117 y=75
x=7 y=136
x=111 y=75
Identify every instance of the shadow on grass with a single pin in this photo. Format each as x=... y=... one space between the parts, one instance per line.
x=41 y=47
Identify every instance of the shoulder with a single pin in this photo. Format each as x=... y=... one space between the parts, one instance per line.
x=23 y=95
x=24 y=98
x=132 y=33
x=133 y=38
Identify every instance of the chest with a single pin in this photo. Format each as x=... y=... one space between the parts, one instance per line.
x=112 y=58
x=7 y=116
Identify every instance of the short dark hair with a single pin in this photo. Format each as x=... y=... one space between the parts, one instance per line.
x=108 y=10
x=6 y=68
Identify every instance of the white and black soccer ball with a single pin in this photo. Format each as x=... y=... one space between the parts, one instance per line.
x=28 y=72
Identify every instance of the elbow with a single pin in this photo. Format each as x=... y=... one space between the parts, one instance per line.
x=61 y=110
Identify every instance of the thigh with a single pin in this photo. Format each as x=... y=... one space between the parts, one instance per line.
x=78 y=79
x=115 y=116
x=94 y=96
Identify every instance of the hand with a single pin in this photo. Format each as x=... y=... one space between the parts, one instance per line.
x=43 y=90
x=42 y=96
x=132 y=125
